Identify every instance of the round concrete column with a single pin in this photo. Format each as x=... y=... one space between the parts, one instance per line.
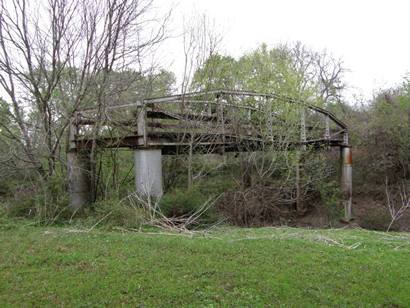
x=148 y=172
x=346 y=180
x=79 y=182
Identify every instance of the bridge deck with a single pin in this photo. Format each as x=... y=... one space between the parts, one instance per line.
x=210 y=122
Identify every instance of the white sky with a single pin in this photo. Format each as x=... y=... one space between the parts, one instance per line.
x=371 y=37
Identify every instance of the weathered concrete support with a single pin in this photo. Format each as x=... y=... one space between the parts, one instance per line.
x=148 y=172
x=79 y=180
x=346 y=180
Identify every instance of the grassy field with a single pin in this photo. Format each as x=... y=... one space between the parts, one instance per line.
x=228 y=267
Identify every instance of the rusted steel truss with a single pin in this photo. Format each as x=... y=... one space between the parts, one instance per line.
x=203 y=122
x=213 y=120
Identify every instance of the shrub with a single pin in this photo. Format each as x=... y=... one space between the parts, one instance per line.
x=215 y=185
x=180 y=203
x=254 y=206
x=5 y=222
x=331 y=197
x=46 y=202
x=3 y=212
x=376 y=220
x=22 y=206
x=113 y=213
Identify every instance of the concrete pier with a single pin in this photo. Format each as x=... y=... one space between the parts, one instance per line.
x=346 y=180
x=148 y=172
x=79 y=181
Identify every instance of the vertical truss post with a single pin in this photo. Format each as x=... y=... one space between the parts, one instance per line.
x=270 y=120
x=345 y=139
x=303 y=127
x=221 y=121
x=142 y=124
x=246 y=171
x=209 y=107
x=299 y=203
x=299 y=162
x=327 y=127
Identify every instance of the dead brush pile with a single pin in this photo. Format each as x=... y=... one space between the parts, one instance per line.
x=262 y=206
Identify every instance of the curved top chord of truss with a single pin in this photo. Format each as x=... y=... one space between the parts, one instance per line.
x=214 y=121
x=176 y=97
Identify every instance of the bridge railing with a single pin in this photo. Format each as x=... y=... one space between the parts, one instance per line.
x=213 y=116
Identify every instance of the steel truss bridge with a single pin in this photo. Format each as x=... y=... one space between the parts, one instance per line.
x=204 y=122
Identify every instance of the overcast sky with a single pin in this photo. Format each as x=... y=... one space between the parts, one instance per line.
x=372 y=37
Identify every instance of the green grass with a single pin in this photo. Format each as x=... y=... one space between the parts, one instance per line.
x=229 y=267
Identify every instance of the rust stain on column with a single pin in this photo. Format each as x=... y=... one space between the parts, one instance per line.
x=346 y=180
x=347 y=157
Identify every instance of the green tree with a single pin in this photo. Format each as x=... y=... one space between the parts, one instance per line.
x=218 y=72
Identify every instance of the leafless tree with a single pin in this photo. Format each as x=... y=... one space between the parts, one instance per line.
x=331 y=73
x=318 y=72
x=397 y=203
x=201 y=40
x=34 y=53
x=59 y=55
x=117 y=36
